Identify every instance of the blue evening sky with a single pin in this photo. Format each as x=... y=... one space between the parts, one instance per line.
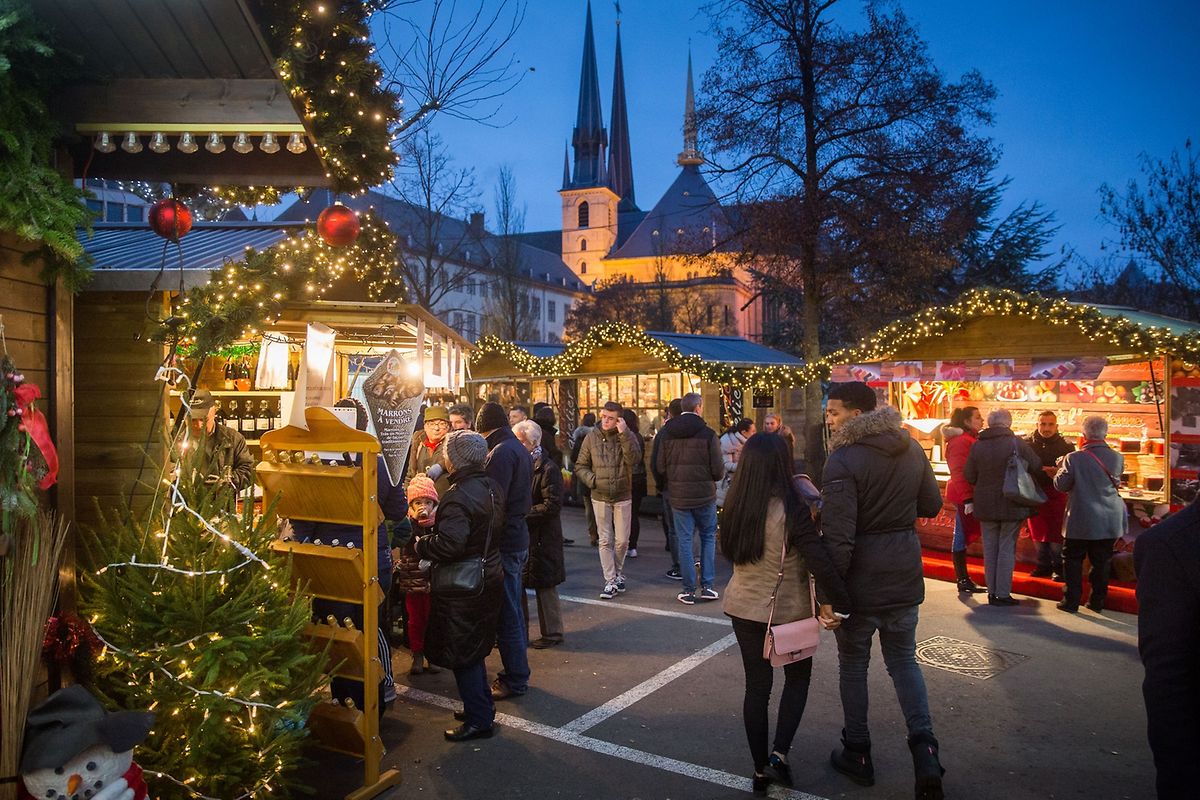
x=1084 y=87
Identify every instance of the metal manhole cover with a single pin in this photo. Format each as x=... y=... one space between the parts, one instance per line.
x=965 y=658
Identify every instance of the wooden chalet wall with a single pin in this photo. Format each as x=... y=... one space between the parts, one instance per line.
x=1006 y=337
x=119 y=406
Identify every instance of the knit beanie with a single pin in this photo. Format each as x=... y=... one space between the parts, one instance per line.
x=421 y=486
x=491 y=417
x=466 y=449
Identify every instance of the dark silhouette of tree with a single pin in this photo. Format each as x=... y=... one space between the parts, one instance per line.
x=1159 y=222
x=850 y=142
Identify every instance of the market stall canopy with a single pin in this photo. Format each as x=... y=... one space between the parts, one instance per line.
x=616 y=347
x=175 y=67
x=1000 y=335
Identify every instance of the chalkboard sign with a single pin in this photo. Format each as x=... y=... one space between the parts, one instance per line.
x=764 y=399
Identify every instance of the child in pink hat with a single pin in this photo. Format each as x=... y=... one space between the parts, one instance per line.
x=422 y=511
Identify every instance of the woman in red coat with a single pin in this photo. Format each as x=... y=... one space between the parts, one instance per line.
x=960 y=435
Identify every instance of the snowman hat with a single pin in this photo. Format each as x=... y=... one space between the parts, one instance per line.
x=70 y=721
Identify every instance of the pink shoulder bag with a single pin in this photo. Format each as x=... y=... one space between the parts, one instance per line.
x=791 y=641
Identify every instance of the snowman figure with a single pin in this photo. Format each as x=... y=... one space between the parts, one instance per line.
x=75 y=750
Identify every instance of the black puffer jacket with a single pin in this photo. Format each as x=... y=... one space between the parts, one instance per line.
x=462 y=630
x=877 y=481
x=544 y=568
x=985 y=470
x=688 y=459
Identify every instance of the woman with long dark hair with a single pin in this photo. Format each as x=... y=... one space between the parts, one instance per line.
x=639 y=482
x=762 y=514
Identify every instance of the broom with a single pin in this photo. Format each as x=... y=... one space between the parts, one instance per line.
x=28 y=586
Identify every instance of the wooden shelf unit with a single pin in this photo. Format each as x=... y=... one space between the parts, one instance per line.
x=344 y=495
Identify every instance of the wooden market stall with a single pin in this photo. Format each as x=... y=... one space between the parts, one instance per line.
x=643 y=371
x=1028 y=354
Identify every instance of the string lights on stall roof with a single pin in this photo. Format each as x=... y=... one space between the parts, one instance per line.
x=936 y=322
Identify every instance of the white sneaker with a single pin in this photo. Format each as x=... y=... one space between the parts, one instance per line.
x=632 y=552
x=610 y=591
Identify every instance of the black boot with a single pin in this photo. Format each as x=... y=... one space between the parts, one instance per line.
x=926 y=766
x=854 y=761
x=965 y=584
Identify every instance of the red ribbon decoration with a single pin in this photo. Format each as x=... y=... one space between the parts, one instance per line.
x=33 y=423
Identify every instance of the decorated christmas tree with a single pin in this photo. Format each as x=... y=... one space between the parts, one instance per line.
x=200 y=627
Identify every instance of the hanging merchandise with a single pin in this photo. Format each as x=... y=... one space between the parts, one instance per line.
x=338 y=226
x=315 y=386
x=170 y=219
x=273 y=366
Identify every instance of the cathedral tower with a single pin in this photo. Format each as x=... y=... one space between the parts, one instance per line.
x=589 y=206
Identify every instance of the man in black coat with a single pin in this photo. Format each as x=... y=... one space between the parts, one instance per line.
x=510 y=467
x=1167 y=560
x=877 y=481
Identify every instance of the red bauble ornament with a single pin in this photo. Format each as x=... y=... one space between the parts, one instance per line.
x=338 y=226
x=170 y=219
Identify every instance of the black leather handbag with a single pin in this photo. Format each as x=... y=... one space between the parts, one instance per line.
x=464 y=578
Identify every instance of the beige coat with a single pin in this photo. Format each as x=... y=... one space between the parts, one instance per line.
x=748 y=594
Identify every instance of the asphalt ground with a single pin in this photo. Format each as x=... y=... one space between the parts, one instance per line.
x=643 y=701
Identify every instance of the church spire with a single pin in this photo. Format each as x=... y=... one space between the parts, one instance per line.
x=566 y=167
x=620 y=160
x=691 y=150
x=589 y=137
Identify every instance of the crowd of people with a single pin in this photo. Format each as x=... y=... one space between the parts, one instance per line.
x=486 y=491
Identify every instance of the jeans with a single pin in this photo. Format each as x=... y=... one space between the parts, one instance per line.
x=755 y=705
x=1000 y=554
x=898 y=640
x=476 y=695
x=689 y=522
x=613 y=524
x=1099 y=553
x=511 y=635
x=959 y=542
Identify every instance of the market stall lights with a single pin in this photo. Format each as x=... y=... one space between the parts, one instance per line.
x=215 y=143
x=131 y=143
x=187 y=144
x=159 y=143
x=104 y=142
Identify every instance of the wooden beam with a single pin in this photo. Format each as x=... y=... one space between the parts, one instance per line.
x=246 y=101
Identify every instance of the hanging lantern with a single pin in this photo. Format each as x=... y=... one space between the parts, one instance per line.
x=338 y=226
x=170 y=219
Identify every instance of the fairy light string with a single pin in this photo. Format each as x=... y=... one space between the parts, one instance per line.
x=1128 y=336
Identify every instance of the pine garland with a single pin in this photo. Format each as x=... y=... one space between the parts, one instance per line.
x=37 y=203
x=244 y=296
x=1126 y=336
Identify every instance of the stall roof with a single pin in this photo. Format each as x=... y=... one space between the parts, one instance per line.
x=128 y=254
x=733 y=350
x=1176 y=326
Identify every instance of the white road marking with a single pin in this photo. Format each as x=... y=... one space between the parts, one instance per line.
x=563 y=736
x=644 y=689
x=658 y=612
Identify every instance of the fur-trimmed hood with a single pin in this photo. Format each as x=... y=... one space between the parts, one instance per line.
x=879 y=429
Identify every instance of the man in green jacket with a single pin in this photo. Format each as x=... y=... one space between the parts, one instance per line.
x=605 y=466
x=226 y=458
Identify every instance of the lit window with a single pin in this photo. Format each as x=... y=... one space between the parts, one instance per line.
x=583 y=214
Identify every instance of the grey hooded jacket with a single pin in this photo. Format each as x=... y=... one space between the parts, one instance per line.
x=1095 y=510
